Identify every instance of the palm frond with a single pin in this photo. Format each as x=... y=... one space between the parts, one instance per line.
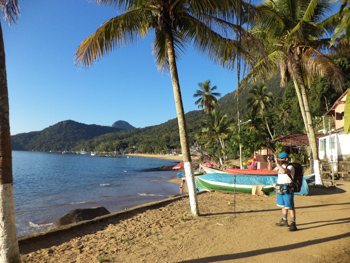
x=119 y=4
x=320 y=65
x=116 y=32
x=343 y=25
x=10 y=10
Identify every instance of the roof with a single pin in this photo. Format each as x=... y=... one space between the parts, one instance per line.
x=340 y=100
x=295 y=139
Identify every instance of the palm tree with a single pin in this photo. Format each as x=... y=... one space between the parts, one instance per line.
x=175 y=23
x=9 y=251
x=261 y=101
x=217 y=127
x=293 y=34
x=207 y=98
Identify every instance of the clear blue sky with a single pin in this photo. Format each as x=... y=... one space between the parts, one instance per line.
x=45 y=87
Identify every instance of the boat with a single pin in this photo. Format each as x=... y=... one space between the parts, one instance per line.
x=241 y=183
x=210 y=170
x=183 y=175
x=235 y=182
x=251 y=172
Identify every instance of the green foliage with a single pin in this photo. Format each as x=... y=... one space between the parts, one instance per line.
x=279 y=147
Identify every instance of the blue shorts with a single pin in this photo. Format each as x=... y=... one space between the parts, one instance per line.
x=286 y=200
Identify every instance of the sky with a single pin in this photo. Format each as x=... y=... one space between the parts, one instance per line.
x=46 y=87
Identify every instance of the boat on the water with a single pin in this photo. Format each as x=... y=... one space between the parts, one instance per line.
x=251 y=172
x=210 y=170
x=240 y=183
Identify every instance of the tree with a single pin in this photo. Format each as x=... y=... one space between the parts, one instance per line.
x=261 y=101
x=293 y=33
x=217 y=127
x=9 y=251
x=175 y=23
x=207 y=98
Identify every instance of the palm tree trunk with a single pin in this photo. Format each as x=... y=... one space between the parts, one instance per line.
x=9 y=251
x=182 y=126
x=268 y=128
x=311 y=131
x=301 y=105
x=219 y=152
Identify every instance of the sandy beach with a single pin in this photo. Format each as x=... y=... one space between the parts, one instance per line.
x=230 y=228
x=159 y=156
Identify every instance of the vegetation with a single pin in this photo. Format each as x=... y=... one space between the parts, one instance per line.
x=280 y=115
x=207 y=98
x=293 y=35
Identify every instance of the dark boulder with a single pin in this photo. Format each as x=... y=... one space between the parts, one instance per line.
x=81 y=214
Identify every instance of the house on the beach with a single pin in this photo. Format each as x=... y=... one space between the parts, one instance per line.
x=334 y=148
x=293 y=143
x=336 y=145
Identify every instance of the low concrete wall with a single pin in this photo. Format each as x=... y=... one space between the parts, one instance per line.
x=63 y=234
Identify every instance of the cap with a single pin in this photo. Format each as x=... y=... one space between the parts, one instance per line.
x=283 y=155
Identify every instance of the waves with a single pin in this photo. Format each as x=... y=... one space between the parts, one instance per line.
x=153 y=195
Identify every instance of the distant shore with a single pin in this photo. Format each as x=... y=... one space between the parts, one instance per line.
x=158 y=156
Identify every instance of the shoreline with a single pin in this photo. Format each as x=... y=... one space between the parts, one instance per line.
x=158 y=156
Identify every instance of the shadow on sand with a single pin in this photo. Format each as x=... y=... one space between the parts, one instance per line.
x=258 y=252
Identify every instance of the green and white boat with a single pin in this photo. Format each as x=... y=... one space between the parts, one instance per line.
x=241 y=183
x=232 y=182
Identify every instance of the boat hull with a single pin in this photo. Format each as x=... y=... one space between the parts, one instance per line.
x=238 y=183
x=210 y=170
x=249 y=171
x=241 y=183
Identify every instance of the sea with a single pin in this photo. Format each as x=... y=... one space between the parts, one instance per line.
x=48 y=185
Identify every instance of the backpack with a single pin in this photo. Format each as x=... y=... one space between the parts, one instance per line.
x=298 y=176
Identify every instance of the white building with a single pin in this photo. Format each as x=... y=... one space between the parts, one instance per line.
x=336 y=146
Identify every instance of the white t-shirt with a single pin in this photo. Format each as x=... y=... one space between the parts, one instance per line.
x=284 y=178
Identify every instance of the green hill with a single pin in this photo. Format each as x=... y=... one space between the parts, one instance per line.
x=70 y=135
x=59 y=137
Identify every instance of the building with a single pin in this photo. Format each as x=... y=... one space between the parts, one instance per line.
x=335 y=146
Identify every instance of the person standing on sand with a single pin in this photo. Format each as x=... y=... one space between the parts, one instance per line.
x=285 y=194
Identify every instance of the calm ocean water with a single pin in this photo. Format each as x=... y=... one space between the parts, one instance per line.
x=48 y=185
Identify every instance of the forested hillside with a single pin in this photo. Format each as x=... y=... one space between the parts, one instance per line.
x=59 y=137
x=283 y=117
x=73 y=136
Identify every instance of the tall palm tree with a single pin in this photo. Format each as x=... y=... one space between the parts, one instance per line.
x=9 y=251
x=261 y=101
x=217 y=127
x=207 y=98
x=174 y=23
x=294 y=33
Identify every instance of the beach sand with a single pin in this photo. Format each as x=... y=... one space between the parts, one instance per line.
x=230 y=228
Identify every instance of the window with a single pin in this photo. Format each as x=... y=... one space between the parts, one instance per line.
x=339 y=116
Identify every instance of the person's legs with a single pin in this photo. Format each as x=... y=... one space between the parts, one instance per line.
x=281 y=203
x=293 y=226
